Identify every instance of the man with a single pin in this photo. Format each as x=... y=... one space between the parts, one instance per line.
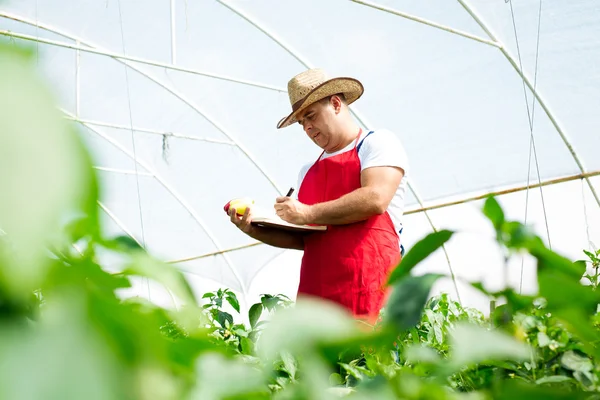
x=356 y=187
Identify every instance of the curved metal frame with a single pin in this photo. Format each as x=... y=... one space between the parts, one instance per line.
x=500 y=192
x=159 y=82
x=151 y=131
x=97 y=50
x=458 y=201
x=122 y=171
x=278 y=254
x=175 y=195
x=121 y=225
x=362 y=120
x=535 y=92
x=427 y=22
x=472 y=13
x=185 y=100
x=494 y=42
x=173 y=47
x=117 y=221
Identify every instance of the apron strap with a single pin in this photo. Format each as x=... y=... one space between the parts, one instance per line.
x=361 y=142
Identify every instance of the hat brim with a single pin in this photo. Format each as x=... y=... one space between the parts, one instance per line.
x=350 y=87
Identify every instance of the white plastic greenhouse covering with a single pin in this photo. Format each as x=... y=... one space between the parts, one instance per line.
x=198 y=86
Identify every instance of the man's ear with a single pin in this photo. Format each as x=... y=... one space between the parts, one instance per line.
x=336 y=102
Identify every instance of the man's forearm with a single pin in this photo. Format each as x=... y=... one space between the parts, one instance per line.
x=279 y=238
x=357 y=205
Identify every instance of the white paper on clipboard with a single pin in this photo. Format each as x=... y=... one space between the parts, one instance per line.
x=268 y=218
x=276 y=222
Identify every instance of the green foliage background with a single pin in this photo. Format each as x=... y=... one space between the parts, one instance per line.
x=66 y=332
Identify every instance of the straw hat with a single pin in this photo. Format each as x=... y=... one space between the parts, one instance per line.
x=313 y=85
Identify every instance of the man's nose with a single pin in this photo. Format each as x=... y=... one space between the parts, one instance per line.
x=307 y=127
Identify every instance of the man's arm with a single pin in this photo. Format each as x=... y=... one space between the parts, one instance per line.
x=378 y=186
x=279 y=238
x=271 y=236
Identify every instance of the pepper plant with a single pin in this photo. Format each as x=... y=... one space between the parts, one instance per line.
x=67 y=330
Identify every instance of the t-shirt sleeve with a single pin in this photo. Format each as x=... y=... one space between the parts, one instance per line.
x=301 y=176
x=383 y=148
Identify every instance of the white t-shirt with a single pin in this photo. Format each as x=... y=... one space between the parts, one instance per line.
x=380 y=148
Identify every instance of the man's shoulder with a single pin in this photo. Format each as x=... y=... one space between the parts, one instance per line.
x=382 y=147
x=381 y=139
x=381 y=135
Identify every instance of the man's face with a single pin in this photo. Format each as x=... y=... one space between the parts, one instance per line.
x=318 y=121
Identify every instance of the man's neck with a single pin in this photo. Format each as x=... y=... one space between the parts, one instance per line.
x=349 y=135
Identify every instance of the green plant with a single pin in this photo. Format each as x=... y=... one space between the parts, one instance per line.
x=594 y=259
x=66 y=330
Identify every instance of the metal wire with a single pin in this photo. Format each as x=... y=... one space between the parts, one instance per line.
x=530 y=120
x=137 y=178
x=591 y=245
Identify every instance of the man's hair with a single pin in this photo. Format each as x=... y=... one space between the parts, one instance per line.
x=327 y=99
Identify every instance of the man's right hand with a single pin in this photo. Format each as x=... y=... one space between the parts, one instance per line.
x=273 y=237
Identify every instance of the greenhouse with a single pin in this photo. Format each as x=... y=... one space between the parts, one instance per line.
x=163 y=111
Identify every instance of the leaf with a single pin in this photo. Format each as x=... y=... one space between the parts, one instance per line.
x=586 y=378
x=123 y=243
x=516 y=390
x=254 y=314
x=479 y=286
x=45 y=171
x=208 y=295
x=543 y=339
x=269 y=302
x=247 y=346
x=575 y=362
x=260 y=323
x=590 y=255
x=405 y=305
x=553 y=379
x=515 y=235
x=421 y=354
x=144 y=265
x=76 y=229
x=218 y=301
x=471 y=344
x=439 y=336
x=232 y=299
x=289 y=363
x=190 y=318
x=301 y=329
x=93 y=372
x=336 y=380
x=560 y=291
x=547 y=259
x=420 y=251
x=222 y=378
x=578 y=324
x=494 y=212
x=415 y=336
x=240 y=330
x=340 y=391
x=353 y=370
x=223 y=317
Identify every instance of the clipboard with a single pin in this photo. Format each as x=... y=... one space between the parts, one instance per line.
x=278 y=223
x=262 y=217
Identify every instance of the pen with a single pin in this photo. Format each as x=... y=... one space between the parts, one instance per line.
x=289 y=193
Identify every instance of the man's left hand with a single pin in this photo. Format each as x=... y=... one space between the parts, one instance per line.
x=293 y=211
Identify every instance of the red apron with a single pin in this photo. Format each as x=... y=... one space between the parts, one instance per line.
x=347 y=264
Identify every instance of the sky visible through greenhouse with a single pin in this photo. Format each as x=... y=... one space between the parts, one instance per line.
x=178 y=102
